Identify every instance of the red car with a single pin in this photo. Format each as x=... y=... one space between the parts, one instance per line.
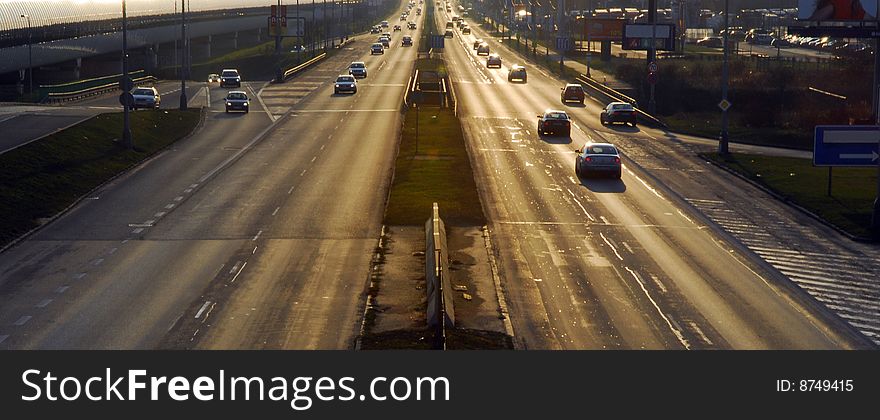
x=573 y=92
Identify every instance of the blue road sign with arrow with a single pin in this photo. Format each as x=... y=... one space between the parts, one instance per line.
x=846 y=145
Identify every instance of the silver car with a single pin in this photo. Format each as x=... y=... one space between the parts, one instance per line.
x=145 y=97
x=345 y=83
x=597 y=158
x=357 y=69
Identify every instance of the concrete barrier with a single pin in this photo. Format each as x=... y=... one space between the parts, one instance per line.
x=440 y=311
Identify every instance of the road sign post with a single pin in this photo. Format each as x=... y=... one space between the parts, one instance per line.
x=850 y=145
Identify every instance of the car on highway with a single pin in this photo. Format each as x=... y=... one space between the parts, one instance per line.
x=230 y=77
x=448 y=33
x=483 y=49
x=406 y=41
x=517 y=72
x=450 y=25
x=573 y=92
x=357 y=69
x=599 y=158
x=213 y=78
x=375 y=29
x=384 y=24
x=411 y=25
x=298 y=49
x=237 y=100
x=377 y=48
x=145 y=97
x=385 y=41
x=479 y=42
x=345 y=83
x=554 y=122
x=618 y=112
x=397 y=28
x=711 y=42
x=466 y=30
x=493 y=60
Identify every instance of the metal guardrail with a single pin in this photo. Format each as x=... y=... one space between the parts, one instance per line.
x=294 y=70
x=451 y=97
x=93 y=90
x=610 y=95
x=440 y=311
x=82 y=88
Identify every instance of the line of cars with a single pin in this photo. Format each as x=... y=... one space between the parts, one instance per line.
x=592 y=158
x=347 y=83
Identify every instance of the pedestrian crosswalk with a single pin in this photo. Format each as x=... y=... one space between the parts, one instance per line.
x=846 y=281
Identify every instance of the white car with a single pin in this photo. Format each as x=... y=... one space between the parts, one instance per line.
x=345 y=83
x=145 y=97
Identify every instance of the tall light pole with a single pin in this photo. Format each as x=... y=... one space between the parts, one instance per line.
x=30 y=56
x=652 y=52
x=126 y=84
x=183 y=74
x=722 y=143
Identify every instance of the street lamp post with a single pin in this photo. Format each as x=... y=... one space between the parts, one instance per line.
x=183 y=74
x=722 y=143
x=126 y=84
x=30 y=56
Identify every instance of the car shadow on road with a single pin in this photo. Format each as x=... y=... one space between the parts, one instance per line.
x=229 y=115
x=624 y=128
x=574 y=104
x=598 y=184
x=555 y=139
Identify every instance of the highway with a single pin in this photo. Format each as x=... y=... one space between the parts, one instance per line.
x=608 y=264
x=256 y=232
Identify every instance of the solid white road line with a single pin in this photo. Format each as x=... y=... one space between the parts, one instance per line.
x=202 y=309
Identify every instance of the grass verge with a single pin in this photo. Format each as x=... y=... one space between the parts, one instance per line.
x=43 y=178
x=852 y=196
x=708 y=125
x=433 y=166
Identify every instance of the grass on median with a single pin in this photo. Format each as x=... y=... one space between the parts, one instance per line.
x=852 y=195
x=439 y=171
x=42 y=178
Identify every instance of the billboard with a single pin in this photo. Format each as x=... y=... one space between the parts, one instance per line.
x=638 y=36
x=837 y=10
x=601 y=29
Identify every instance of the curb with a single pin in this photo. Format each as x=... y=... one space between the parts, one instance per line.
x=790 y=203
x=202 y=117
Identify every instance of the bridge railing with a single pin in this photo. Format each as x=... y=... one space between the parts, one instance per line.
x=84 y=88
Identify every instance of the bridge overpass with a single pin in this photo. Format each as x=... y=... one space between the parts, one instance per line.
x=70 y=47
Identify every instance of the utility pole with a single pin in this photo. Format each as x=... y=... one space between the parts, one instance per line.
x=587 y=34
x=652 y=51
x=875 y=215
x=183 y=61
x=30 y=56
x=534 y=29
x=126 y=84
x=560 y=25
x=722 y=143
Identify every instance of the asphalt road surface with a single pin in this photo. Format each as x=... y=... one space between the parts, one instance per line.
x=21 y=124
x=611 y=264
x=256 y=232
